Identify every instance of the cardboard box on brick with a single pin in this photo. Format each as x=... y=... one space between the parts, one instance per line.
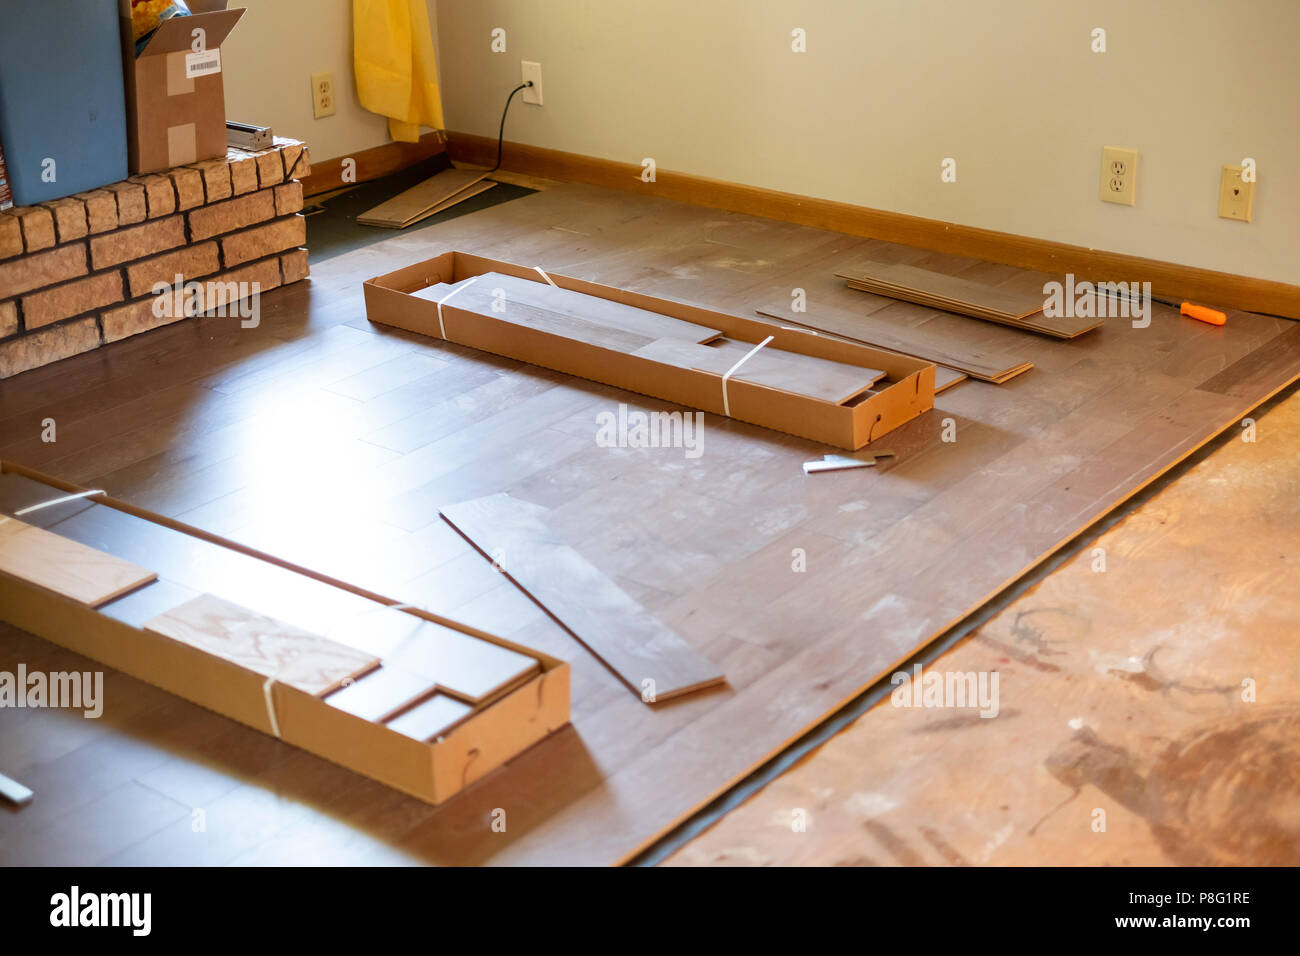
x=175 y=100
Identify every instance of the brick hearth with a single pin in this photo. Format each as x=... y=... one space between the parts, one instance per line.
x=78 y=273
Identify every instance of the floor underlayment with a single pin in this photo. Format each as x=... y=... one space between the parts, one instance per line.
x=331 y=442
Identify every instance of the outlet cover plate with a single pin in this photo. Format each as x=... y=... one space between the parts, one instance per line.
x=1236 y=198
x=322 y=95
x=528 y=70
x=1118 y=175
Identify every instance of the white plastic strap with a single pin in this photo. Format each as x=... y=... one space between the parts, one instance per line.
x=726 y=405
x=270 y=706
x=442 y=329
x=57 y=501
x=542 y=273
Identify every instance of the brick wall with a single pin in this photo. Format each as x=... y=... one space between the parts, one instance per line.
x=78 y=273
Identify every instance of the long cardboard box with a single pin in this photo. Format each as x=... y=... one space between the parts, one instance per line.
x=906 y=392
x=496 y=731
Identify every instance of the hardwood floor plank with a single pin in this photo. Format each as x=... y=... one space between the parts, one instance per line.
x=381 y=694
x=66 y=566
x=866 y=329
x=263 y=645
x=644 y=653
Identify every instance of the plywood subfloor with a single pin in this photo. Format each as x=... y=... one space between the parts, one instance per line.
x=1120 y=690
x=333 y=443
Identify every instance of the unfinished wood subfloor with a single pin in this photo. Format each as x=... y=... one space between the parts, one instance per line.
x=333 y=443
x=1122 y=688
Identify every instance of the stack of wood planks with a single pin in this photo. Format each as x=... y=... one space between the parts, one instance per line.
x=427 y=198
x=953 y=357
x=938 y=290
x=660 y=338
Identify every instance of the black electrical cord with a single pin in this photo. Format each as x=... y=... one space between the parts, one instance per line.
x=501 y=133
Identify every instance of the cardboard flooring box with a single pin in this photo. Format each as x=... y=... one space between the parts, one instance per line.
x=497 y=729
x=175 y=100
x=906 y=392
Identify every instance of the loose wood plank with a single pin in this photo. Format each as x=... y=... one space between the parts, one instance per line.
x=466 y=193
x=989 y=365
x=614 y=627
x=312 y=664
x=66 y=567
x=406 y=206
x=941 y=285
x=945 y=378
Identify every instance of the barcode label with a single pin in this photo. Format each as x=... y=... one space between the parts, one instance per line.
x=202 y=64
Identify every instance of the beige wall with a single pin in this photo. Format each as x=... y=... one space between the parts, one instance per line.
x=267 y=64
x=888 y=88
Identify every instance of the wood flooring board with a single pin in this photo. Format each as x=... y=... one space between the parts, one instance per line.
x=460 y=664
x=940 y=285
x=380 y=694
x=609 y=623
x=66 y=567
x=986 y=364
x=1265 y=369
x=945 y=378
x=403 y=208
x=262 y=644
x=832 y=382
x=467 y=193
x=427 y=720
x=481 y=301
x=956 y=294
x=594 y=309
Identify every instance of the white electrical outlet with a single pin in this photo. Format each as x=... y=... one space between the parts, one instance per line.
x=322 y=94
x=1119 y=169
x=531 y=71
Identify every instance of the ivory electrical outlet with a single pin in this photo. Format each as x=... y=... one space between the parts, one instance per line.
x=1236 y=197
x=529 y=70
x=1119 y=169
x=322 y=94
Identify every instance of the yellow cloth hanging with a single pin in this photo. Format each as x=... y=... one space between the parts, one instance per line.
x=392 y=55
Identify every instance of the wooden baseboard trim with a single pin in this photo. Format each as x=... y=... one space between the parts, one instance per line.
x=372 y=163
x=1168 y=279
